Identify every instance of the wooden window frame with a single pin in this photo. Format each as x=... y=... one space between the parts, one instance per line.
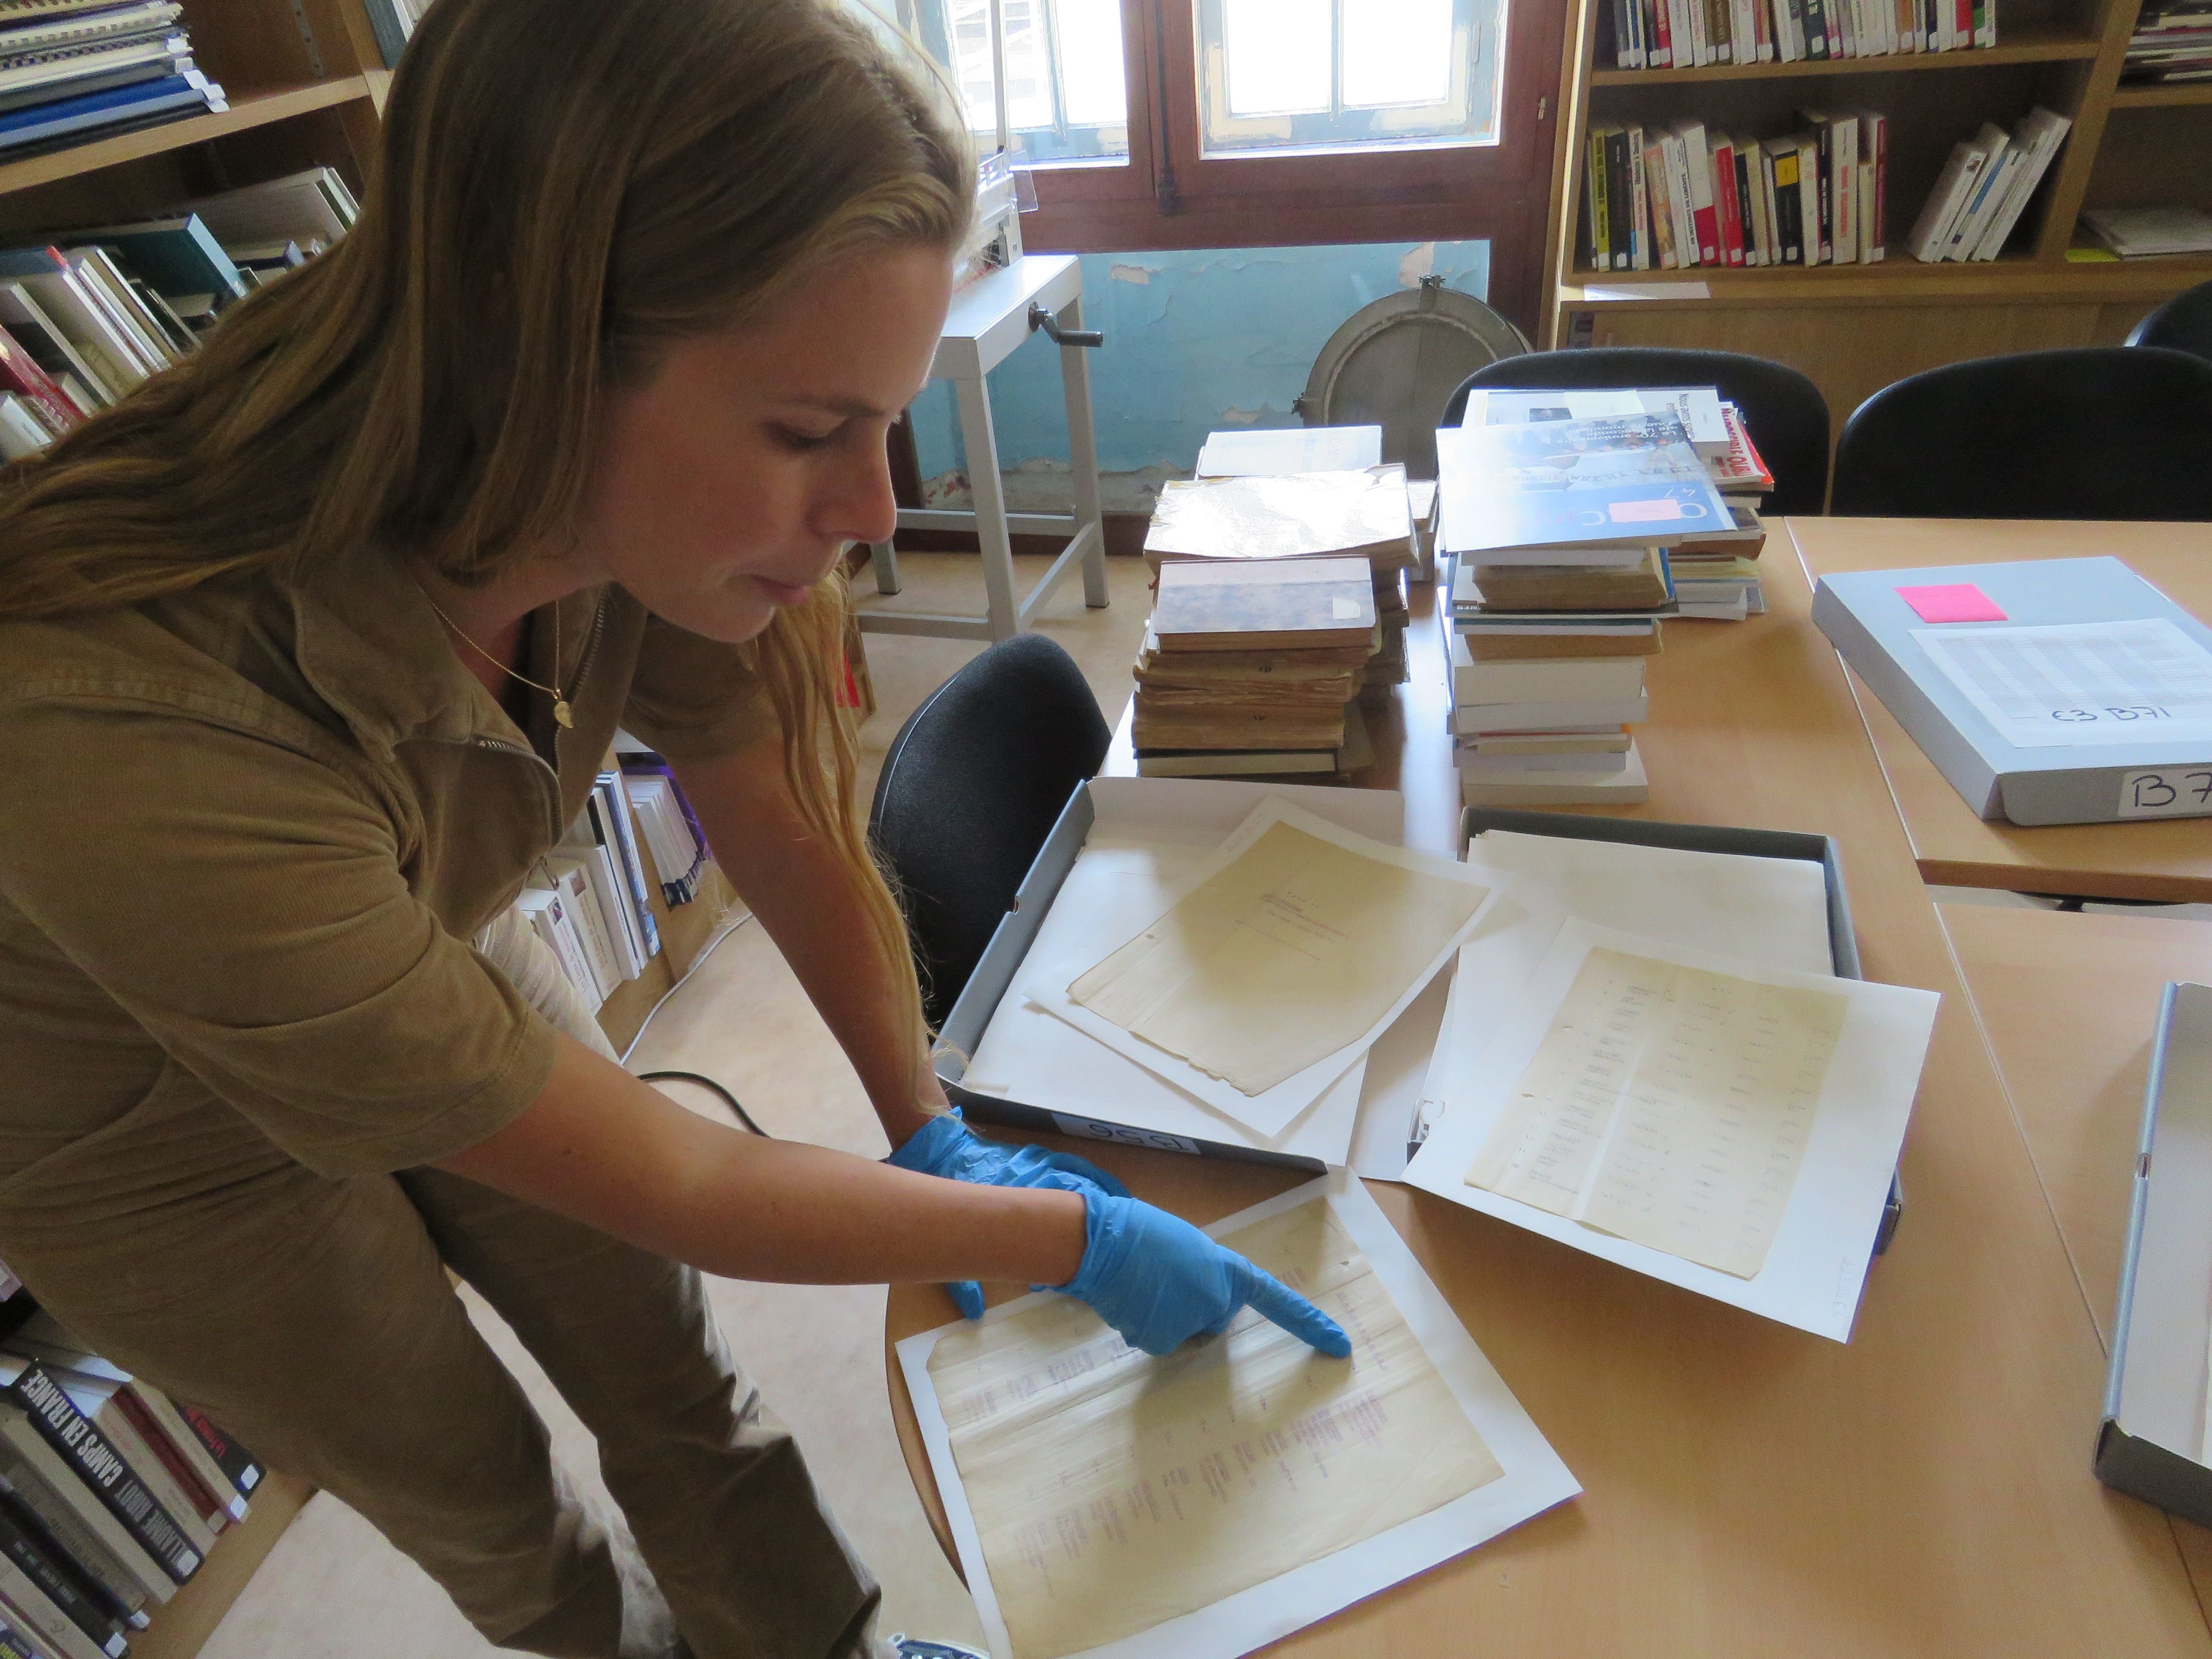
x=1169 y=196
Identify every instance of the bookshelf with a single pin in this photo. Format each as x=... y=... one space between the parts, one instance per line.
x=1855 y=329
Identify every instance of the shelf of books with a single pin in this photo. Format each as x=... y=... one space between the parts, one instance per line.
x=1966 y=174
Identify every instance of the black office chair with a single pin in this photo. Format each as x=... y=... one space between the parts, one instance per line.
x=971 y=788
x=2091 y=432
x=2182 y=324
x=1787 y=416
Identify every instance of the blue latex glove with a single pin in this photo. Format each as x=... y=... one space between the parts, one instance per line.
x=1159 y=1281
x=946 y=1147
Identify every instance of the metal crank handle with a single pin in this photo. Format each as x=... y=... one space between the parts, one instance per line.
x=1040 y=318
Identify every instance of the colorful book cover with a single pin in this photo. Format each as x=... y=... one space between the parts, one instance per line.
x=1631 y=481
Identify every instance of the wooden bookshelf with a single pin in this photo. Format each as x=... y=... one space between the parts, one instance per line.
x=305 y=87
x=2127 y=147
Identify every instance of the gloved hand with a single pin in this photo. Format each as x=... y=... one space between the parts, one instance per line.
x=1159 y=1281
x=946 y=1147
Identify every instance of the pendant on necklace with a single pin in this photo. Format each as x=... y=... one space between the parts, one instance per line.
x=560 y=713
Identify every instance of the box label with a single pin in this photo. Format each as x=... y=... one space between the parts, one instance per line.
x=2167 y=791
x=1091 y=1129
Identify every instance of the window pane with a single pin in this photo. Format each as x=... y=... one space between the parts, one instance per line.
x=1277 y=53
x=1396 y=52
x=1091 y=63
x=1322 y=75
x=1066 y=97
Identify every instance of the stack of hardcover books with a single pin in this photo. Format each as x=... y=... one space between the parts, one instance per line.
x=1558 y=530
x=1251 y=666
x=74 y=70
x=111 y=1493
x=1361 y=512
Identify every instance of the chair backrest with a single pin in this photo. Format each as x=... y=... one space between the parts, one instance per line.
x=2182 y=324
x=1784 y=411
x=970 y=790
x=2089 y=432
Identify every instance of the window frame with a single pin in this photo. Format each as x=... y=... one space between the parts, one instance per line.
x=1171 y=196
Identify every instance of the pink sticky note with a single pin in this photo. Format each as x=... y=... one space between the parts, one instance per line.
x=1951 y=602
x=1644 y=512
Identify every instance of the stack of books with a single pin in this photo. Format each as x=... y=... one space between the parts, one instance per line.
x=1361 y=512
x=111 y=1493
x=1713 y=572
x=1557 y=530
x=1985 y=188
x=88 y=314
x=74 y=70
x=1667 y=198
x=2172 y=41
x=1251 y=667
x=1691 y=33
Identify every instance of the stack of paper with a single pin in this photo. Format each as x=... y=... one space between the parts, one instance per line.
x=1232 y=993
x=1648 y=1057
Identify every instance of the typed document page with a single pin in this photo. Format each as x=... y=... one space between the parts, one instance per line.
x=1300 y=941
x=1205 y=1502
x=1668 y=1104
x=2141 y=682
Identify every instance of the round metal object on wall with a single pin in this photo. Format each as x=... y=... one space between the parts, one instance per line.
x=1396 y=362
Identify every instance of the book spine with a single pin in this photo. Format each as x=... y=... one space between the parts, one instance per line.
x=13 y=1643
x=1825 y=237
x=233 y=1459
x=616 y=804
x=202 y=1502
x=55 y=1609
x=45 y=1516
x=102 y=1468
x=1816 y=29
x=1641 y=254
x=20 y=373
x=178 y=1433
x=1727 y=209
x=1844 y=185
x=1786 y=197
x=144 y=1463
x=1661 y=54
x=1873 y=148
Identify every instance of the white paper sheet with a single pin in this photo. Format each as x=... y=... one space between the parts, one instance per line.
x=1530 y=1478
x=1274 y=1106
x=1816 y=1267
x=1290 y=449
x=1773 y=911
x=2140 y=682
x=1148 y=834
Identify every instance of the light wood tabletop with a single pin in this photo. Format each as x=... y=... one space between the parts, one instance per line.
x=2168 y=860
x=1750 y=1489
x=2069 y=1005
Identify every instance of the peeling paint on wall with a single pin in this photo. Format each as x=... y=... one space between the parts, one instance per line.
x=1194 y=341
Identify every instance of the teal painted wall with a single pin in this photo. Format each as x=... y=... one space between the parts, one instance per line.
x=1194 y=341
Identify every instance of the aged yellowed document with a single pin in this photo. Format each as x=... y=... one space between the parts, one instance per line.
x=1112 y=1492
x=1290 y=951
x=1669 y=1105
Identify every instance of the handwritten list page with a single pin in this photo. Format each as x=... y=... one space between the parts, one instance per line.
x=1301 y=940
x=1668 y=1104
x=1113 y=1491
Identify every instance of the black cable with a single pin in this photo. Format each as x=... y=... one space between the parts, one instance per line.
x=728 y=1099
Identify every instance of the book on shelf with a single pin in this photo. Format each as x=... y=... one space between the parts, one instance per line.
x=36 y=1410
x=1985 y=188
x=1687 y=34
x=2144 y=233
x=51 y=1605
x=2172 y=41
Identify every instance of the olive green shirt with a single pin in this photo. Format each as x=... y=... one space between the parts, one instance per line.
x=246 y=834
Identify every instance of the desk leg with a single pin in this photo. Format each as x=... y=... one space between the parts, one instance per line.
x=883 y=558
x=992 y=538
x=1083 y=450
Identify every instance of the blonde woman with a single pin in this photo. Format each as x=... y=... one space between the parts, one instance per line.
x=314 y=645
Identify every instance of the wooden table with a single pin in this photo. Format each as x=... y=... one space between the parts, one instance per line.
x=2167 y=859
x=2069 y=1005
x=1751 y=1490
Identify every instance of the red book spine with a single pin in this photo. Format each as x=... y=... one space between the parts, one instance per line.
x=182 y=1472
x=1727 y=204
x=1660 y=33
x=19 y=374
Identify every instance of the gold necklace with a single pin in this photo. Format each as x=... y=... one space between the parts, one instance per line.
x=560 y=703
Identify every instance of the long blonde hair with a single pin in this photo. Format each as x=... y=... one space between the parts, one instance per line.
x=565 y=187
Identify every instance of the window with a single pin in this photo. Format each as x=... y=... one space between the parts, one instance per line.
x=1308 y=75
x=1066 y=93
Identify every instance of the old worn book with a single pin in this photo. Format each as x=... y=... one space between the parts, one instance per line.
x=1221 y=727
x=1490 y=645
x=1264 y=604
x=1353 y=754
x=1220 y=666
x=1747 y=539
x=1542 y=587
x=1365 y=512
